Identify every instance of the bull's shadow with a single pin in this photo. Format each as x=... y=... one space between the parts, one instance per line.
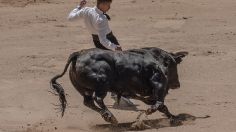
x=152 y=124
x=121 y=107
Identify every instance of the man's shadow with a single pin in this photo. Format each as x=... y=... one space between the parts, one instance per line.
x=152 y=124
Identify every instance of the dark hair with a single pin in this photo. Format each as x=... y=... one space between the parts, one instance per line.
x=103 y=1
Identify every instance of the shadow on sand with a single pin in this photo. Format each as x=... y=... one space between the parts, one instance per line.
x=186 y=119
x=122 y=107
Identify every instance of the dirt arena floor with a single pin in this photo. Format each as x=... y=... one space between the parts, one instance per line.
x=36 y=40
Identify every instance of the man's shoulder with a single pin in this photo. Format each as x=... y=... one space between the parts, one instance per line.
x=87 y=8
x=91 y=11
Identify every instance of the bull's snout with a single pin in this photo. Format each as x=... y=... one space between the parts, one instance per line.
x=175 y=86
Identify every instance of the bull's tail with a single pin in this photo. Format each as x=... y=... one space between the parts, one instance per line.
x=57 y=87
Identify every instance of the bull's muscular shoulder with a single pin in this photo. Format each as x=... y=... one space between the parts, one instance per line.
x=132 y=60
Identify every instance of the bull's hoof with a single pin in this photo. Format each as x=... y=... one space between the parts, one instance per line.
x=109 y=117
x=175 y=122
x=113 y=120
x=150 y=111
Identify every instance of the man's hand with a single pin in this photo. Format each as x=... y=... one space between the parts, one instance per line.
x=118 y=48
x=82 y=3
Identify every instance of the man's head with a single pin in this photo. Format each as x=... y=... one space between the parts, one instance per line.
x=104 y=5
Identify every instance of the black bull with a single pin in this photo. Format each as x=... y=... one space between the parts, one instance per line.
x=145 y=74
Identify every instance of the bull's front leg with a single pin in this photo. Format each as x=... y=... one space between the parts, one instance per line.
x=153 y=108
x=163 y=109
x=159 y=84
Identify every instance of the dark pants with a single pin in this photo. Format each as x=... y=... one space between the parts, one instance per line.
x=110 y=37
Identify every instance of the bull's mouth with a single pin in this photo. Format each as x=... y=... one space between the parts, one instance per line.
x=174 y=87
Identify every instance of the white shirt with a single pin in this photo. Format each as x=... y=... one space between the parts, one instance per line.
x=96 y=22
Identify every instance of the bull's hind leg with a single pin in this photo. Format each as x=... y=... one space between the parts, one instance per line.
x=89 y=102
x=106 y=114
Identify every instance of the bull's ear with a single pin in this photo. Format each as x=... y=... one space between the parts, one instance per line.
x=179 y=55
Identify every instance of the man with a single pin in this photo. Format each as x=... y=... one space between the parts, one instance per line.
x=96 y=20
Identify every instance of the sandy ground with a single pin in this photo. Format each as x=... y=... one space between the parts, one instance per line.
x=36 y=39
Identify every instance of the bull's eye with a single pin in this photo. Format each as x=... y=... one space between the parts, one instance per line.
x=166 y=73
x=166 y=64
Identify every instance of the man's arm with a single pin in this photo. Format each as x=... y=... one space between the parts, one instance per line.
x=78 y=12
x=102 y=34
x=105 y=42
